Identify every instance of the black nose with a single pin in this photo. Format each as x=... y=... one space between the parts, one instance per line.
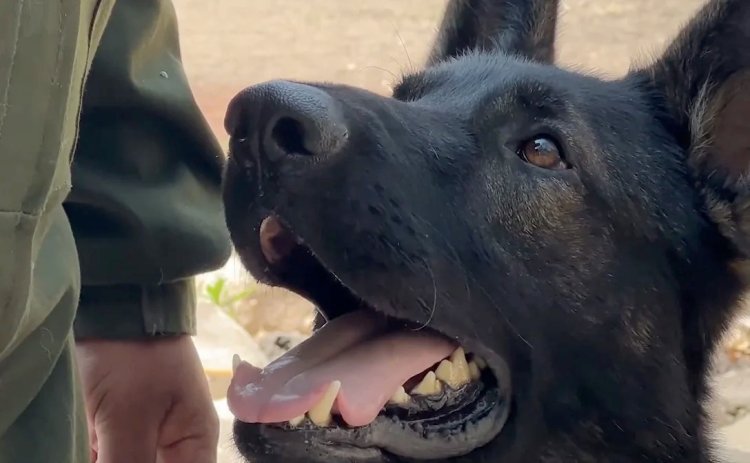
x=284 y=119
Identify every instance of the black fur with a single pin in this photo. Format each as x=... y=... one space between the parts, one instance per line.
x=605 y=286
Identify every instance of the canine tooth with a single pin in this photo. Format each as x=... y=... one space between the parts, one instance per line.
x=428 y=386
x=474 y=371
x=320 y=414
x=479 y=361
x=296 y=421
x=447 y=373
x=235 y=362
x=460 y=366
x=400 y=397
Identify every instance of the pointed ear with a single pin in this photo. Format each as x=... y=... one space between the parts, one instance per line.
x=703 y=80
x=520 y=27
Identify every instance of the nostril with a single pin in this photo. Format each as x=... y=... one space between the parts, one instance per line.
x=235 y=118
x=287 y=120
x=289 y=136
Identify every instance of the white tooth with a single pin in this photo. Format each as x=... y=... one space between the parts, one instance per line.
x=296 y=421
x=474 y=371
x=400 y=397
x=320 y=414
x=479 y=361
x=447 y=373
x=428 y=386
x=460 y=366
x=235 y=362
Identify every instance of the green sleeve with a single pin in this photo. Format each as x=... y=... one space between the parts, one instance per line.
x=145 y=207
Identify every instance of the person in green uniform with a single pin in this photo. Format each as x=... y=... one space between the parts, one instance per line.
x=109 y=206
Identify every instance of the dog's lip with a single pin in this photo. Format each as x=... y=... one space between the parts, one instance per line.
x=393 y=439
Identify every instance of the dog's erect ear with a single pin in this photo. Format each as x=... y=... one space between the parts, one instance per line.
x=703 y=79
x=519 y=27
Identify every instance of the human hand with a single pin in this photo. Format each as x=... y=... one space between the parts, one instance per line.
x=147 y=399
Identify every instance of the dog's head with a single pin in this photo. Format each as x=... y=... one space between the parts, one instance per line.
x=518 y=263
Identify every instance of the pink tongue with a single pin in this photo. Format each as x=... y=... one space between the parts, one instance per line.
x=356 y=349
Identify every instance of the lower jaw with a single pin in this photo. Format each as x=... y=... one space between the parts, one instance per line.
x=387 y=439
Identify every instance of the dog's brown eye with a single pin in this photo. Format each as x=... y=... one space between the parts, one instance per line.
x=542 y=152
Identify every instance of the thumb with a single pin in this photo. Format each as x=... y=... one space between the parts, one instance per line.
x=127 y=441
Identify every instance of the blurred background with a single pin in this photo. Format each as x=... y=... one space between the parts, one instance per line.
x=230 y=44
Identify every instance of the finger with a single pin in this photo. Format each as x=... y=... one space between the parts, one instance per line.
x=93 y=442
x=127 y=442
x=189 y=450
x=189 y=434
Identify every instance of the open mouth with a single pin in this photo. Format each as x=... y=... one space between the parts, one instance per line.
x=366 y=382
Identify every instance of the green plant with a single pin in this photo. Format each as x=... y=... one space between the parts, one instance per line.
x=220 y=295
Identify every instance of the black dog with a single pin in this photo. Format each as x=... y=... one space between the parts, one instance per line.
x=584 y=241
